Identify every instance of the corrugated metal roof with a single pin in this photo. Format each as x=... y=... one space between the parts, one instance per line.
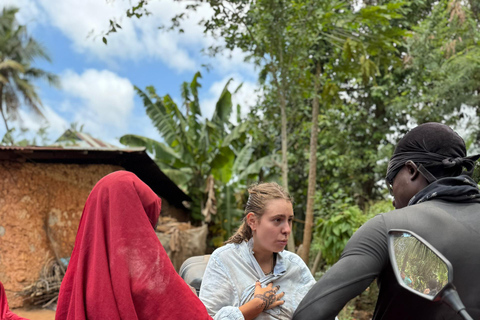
x=59 y=148
x=28 y=148
x=115 y=149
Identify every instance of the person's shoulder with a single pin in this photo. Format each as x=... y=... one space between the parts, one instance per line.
x=375 y=223
x=290 y=255
x=372 y=233
x=296 y=267
x=293 y=258
x=225 y=251
x=432 y=206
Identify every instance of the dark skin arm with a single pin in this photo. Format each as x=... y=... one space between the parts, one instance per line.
x=362 y=261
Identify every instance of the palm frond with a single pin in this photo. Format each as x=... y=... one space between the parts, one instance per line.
x=242 y=159
x=35 y=73
x=255 y=167
x=160 y=151
x=11 y=102
x=176 y=115
x=157 y=112
x=235 y=134
x=30 y=96
x=194 y=85
x=17 y=52
x=11 y=66
x=223 y=108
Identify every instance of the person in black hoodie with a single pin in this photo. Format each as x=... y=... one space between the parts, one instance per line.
x=429 y=176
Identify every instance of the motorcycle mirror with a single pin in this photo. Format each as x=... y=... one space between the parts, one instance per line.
x=421 y=269
x=418 y=266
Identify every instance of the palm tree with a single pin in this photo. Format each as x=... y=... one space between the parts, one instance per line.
x=17 y=51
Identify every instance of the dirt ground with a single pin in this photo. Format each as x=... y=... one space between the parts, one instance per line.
x=35 y=314
x=43 y=314
x=362 y=315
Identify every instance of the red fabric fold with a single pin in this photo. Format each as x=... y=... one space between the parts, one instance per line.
x=118 y=268
x=5 y=313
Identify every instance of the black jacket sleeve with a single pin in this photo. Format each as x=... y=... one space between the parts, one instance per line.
x=363 y=259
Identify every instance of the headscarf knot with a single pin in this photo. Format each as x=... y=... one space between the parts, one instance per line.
x=452 y=162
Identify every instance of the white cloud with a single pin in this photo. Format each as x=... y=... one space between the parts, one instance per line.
x=27 y=119
x=246 y=96
x=29 y=13
x=103 y=101
x=56 y=124
x=136 y=40
x=139 y=39
x=233 y=62
x=100 y=100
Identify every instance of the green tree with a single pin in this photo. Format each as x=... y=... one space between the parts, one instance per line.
x=17 y=52
x=381 y=66
x=442 y=62
x=267 y=41
x=423 y=81
x=343 y=45
x=210 y=158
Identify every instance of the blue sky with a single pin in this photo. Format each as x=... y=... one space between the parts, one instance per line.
x=97 y=79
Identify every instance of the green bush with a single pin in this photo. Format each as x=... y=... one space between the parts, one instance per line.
x=341 y=218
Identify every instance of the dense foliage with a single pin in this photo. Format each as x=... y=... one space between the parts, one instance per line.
x=210 y=158
x=341 y=80
x=374 y=67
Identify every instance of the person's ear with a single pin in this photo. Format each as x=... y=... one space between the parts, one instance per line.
x=251 y=220
x=412 y=170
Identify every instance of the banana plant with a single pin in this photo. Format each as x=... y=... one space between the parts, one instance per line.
x=210 y=159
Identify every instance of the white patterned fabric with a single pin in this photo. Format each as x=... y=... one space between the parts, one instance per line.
x=229 y=282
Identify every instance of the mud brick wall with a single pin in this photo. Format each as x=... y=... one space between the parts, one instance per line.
x=40 y=208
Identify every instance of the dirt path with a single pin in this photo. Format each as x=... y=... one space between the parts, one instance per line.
x=35 y=314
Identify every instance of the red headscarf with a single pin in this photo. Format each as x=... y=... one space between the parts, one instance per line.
x=5 y=313
x=118 y=268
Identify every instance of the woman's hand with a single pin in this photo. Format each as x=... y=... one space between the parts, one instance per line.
x=268 y=295
x=263 y=299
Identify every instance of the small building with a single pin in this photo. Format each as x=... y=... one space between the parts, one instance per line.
x=42 y=194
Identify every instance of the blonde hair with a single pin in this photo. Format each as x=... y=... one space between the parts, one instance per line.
x=259 y=195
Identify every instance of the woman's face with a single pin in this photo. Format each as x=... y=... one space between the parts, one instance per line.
x=272 y=229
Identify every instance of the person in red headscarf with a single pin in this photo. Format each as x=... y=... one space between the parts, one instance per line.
x=118 y=268
x=5 y=313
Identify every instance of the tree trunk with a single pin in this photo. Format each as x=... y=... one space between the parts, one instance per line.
x=284 y=142
x=312 y=172
x=283 y=106
x=316 y=263
x=4 y=116
x=291 y=239
x=283 y=113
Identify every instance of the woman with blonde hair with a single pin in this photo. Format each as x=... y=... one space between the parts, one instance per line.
x=252 y=277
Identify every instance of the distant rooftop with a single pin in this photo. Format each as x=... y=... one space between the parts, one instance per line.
x=72 y=138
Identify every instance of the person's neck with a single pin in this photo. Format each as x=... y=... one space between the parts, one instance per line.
x=264 y=258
